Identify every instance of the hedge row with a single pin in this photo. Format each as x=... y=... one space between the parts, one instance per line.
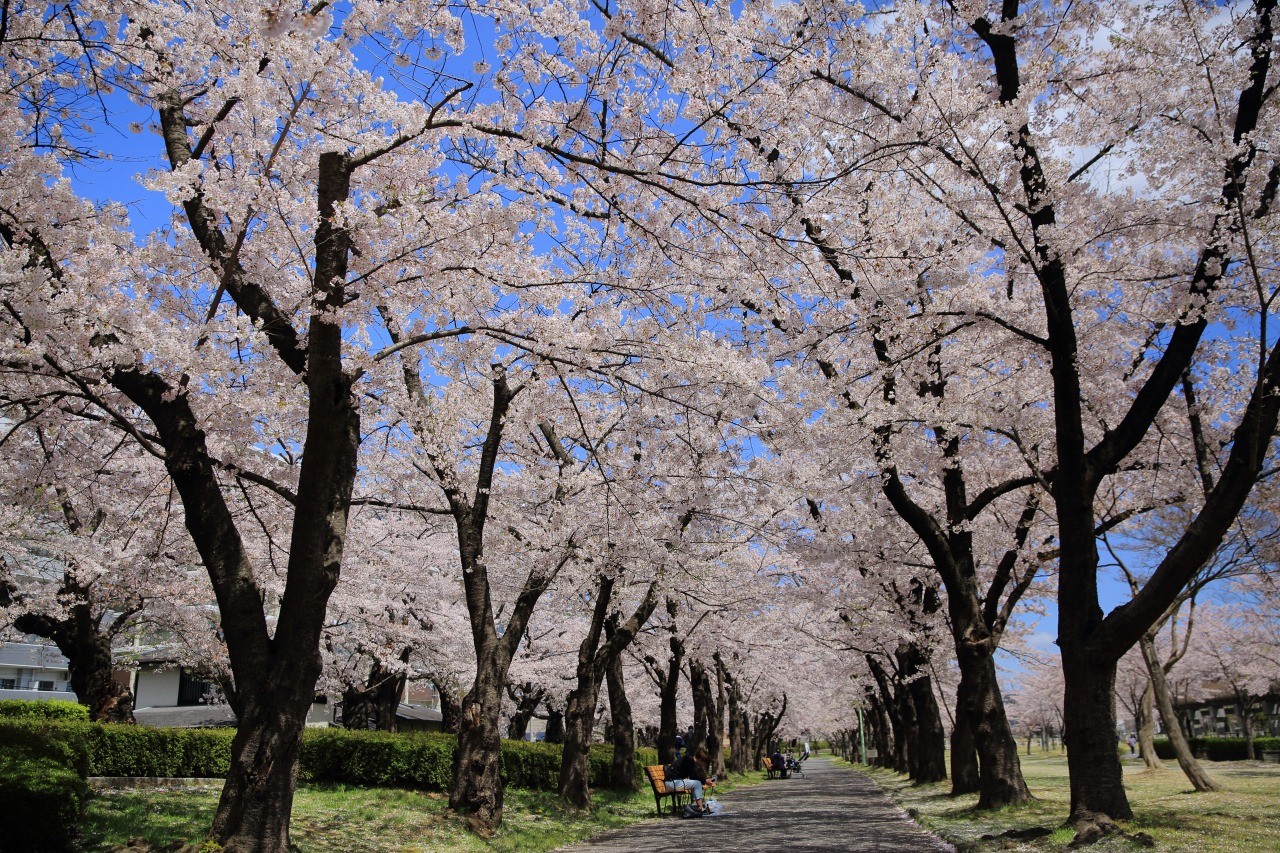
x=1220 y=748
x=43 y=709
x=417 y=760
x=42 y=790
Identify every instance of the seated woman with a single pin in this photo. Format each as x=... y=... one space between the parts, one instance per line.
x=691 y=775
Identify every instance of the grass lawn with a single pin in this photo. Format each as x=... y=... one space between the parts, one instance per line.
x=1243 y=818
x=364 y=820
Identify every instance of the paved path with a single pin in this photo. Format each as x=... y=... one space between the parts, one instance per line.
x=833 y=809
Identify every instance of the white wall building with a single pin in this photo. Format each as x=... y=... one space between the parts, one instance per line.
x=33 y=671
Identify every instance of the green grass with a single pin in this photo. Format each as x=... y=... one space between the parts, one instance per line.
x=366 y=820
x=1242 y=818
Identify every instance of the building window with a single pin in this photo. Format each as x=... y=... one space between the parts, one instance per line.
x=8 y=684
x=44 y=685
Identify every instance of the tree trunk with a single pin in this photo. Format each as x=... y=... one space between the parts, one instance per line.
x=93 y=681
x=450 y=707
x=894 y=704
x=703 y=707
x=555 y=726
x=1093 y=761
x=477 y=788
x=928 y=754
x=388 y=690
x=580 y=715
x=717 y=726
x=622 y=771
x=880 y=725
x=1196 y=775
x=980 y=702
x=357 y=708
x=257 y=798
x=1147 y=728
x=594 y=659
x=1246 y=719
x=668 y=694
x=90 y=669
x=527 y=701
x=739 y=728
x=964 y=754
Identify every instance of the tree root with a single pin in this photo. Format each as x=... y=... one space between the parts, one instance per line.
x=1091 y=828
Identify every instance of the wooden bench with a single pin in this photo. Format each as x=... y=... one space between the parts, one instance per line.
x=770 y=772
x=658 y=779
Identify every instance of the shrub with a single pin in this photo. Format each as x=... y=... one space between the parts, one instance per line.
x=1219 y=748
x=418 y=760
x=63 y=743
x=413 y=760
x=119 y=749
x=42 y=790
x=43 y=709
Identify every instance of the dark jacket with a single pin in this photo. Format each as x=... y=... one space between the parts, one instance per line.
x=687 y=768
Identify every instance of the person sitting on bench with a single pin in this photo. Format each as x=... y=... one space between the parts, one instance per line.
x=691 y=775
x=779 y=762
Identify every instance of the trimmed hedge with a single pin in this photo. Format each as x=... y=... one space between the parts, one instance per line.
x=411 y=760
x=42 y=790
x=1220 y=748
x=43 y=709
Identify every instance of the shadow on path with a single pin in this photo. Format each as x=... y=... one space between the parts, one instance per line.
x=833 y=809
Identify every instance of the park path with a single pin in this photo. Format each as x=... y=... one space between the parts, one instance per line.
x=832 y=809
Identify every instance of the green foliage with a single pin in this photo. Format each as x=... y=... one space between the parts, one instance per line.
x=42 y=790
x=62 y=743
x=119 y=749
x=419 y=760
x=425 y=761
x=43 y=709
x=1220 y=748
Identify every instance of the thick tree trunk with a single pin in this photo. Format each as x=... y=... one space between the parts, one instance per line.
x=527 y=701
x=387 y=692
x=716 y=746
x=766 y=725
x=580 y=715
x=928 y=758
x=980 y=702
x=88 y=653
x=882 y=724
x=668 y=695
x=622 y=771
x=1196 y=775
x=92 y=679
x=477 y=788
x=1093 y=760
x=739 y=727
x=373 y=705
x=555 y=726
x=703 y=706
x=964 y=754
x=1147 y=728
x=257 y=798
x=357 y=709
x=450 y=707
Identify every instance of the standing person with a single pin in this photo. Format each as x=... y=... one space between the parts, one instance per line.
x=1133 y=742
x=691 y=775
